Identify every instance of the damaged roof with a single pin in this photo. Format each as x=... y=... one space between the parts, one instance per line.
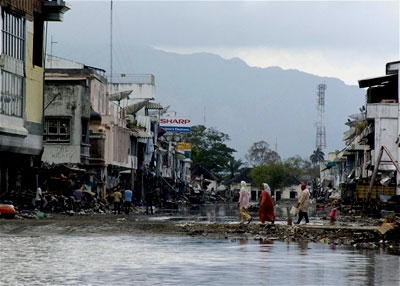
x=377 y=80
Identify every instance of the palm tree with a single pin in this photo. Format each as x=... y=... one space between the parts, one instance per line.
x=234 y=166
x=317 y=156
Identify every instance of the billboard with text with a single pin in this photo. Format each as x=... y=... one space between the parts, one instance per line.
x=175 y=124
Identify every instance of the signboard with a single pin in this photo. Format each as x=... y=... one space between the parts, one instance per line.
x=175 y=124
x=183 y=146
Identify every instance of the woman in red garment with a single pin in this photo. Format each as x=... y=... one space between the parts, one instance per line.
x=267 y=212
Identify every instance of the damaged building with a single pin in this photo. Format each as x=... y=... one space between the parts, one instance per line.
x=21 y=88
x=367 y=168
x=110 y=130
x=86 y=126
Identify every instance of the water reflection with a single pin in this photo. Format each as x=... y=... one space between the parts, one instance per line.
x=265 y=245
x=126 y=260
x=220 y=213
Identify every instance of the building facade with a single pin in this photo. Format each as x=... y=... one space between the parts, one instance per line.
x=372 y=143
x=21 y=87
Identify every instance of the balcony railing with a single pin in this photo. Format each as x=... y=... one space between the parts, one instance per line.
x=11 y=105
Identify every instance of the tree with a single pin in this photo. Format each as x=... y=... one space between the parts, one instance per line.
x=317 y=156
x=297 y=166
x=234 y=166
x=260 y=154
x=209 y=148
x=273 y=174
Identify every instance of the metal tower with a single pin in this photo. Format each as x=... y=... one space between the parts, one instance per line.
x=320 y=139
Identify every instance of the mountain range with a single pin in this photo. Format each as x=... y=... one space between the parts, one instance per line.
x=247 y=103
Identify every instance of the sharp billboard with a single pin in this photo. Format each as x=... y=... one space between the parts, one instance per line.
x=175 y=124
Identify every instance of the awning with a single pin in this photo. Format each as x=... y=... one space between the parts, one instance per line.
x=330 y=164
x=141 y=134
x=349 y=133
x=180 y=156
x=153 y=105
x=162 y=150
x=120 y=95
x=133 y=108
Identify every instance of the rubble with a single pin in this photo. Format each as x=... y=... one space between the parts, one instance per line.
x=351 y=228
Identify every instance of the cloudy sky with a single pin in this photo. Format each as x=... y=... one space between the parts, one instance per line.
x=349 y=40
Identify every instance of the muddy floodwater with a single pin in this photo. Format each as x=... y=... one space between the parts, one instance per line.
x=183 y=260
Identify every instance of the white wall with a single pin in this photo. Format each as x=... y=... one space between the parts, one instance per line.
x=139 y=92
x=386 y=120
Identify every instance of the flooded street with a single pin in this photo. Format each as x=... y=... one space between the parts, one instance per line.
x=224 y=212
x=177 y=260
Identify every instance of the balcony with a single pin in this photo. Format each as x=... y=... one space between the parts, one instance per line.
x=54 y=10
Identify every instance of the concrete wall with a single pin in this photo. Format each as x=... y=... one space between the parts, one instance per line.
x=140 y=92
x=34 y=81
x=98 y=96
x=54 y=62
x=285 y=192
x=386 y=120
x=68 y=99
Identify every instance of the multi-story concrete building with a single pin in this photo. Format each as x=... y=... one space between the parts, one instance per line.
x=21 y=86
x=373 y=137
x=69 y=95
x=88 y=126
x=383 y=118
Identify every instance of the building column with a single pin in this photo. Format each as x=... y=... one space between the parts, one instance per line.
x=398 y=133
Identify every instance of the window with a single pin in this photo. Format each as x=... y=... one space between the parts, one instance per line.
x=13 y=35
x=85 y=131
x=132 y=149
x=56 y=130
x=11 y=98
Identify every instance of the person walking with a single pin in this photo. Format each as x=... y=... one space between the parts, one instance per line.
x=302 y=203
x=77 y=196
x=267 y=212
x=127 y=200
x=244 y=203
x=117 y=197
x=149 y=200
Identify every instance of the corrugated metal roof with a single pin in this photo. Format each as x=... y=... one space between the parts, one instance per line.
x=133 y=108
x=154 y=105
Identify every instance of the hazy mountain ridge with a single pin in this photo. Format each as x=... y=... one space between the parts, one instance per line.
x=248 y=103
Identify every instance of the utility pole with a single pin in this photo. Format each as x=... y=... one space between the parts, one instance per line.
x=111 y=40
x=51 y=50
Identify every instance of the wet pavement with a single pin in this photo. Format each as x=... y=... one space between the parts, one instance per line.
x=198 y=245
x=180 y=260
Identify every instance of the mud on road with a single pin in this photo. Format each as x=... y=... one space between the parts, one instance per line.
x=364 y=237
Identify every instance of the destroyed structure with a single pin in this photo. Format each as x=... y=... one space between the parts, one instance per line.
x=367 y=168
x=110 y=130
x=94 y=133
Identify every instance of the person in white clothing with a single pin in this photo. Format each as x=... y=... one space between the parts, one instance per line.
x=244 y=203
x=302 y=203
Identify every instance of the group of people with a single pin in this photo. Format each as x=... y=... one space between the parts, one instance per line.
x=267 y=212
x=127 y=200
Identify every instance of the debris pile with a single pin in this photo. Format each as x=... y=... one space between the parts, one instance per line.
x=358 y=237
